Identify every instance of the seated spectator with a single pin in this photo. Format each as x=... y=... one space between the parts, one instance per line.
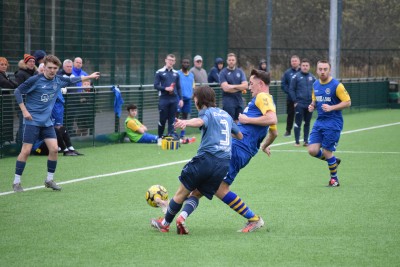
x=63 y=139
x=135 y=130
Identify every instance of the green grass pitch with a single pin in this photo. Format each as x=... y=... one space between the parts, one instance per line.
x=104 y=220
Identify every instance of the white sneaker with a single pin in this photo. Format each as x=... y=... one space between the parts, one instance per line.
x=159 y=141
x=252 y=226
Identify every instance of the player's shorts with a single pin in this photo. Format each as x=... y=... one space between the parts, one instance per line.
x=328 y=138
x=204 y=173
x=239 y=160
x=57 y=114
x=31 y=133
x=186 y=106
x=233 y=111
x=148 y=138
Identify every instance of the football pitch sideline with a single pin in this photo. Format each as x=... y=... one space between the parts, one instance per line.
x=101 y=218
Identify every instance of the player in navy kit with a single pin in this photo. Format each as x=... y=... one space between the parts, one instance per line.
x=206 y=170
x=329 y=98
x=41 y=93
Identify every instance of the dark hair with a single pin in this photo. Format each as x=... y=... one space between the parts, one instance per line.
x=324 y=61
x=262 y=75
x=205 y=96
x=52 y=59
x=131 y=106
x=305 y=60
x=295 y=56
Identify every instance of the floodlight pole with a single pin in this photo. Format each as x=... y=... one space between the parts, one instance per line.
x=269 y=34
x=333 y=37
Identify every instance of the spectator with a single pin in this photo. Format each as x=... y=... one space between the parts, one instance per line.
x=200 y=74
x=39 y=56
x=186 y=80
x=37 y=115
x=262 y=65
x=26 y=70
x=213 y=75
x=233 y=83
x=77 y=69
x=300 y=91
x=66 y=70
x=135 y=130
x=285 y=83
x=7 y=83
x=166 y=81
x=57 y=116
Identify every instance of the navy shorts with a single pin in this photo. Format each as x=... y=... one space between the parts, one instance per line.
x=328 y=138
x=187 y=104
x=239 y=160
x=205 y=173
x=31 y=133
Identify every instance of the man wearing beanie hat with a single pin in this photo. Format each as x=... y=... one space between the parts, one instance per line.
x=39 y=56
x=200 y=74
x=26 y=70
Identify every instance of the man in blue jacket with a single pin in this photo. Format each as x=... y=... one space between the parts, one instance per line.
x=300 y=92
x=213 y=75
x=285 y=83
x=167 y=83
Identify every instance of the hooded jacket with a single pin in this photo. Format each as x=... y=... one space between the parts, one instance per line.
x=213 y=75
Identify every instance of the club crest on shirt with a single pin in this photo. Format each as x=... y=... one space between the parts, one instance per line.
x=310 y=78
x=238 y=75
x=327 y=91
x=45 y=98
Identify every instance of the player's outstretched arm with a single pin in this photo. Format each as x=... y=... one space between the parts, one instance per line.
x=94 y=75
x=182 y=124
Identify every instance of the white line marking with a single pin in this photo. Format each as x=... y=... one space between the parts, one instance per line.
x=184 y=161
x=339 y=151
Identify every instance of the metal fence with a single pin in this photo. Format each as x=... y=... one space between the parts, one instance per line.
x=353 y=62
x=126 y=40
x=91 y=121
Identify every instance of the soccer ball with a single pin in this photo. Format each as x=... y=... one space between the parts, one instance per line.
x=154 y=192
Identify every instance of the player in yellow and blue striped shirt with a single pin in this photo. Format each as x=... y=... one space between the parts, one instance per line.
x=329 y=99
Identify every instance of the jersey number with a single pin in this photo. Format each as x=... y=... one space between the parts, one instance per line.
x=224 y=132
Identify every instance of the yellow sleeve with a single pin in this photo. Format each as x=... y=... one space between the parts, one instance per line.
x=134 y=125
x=342 y=93
x=273 y=127
x=314 y=99
x=265 y=103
